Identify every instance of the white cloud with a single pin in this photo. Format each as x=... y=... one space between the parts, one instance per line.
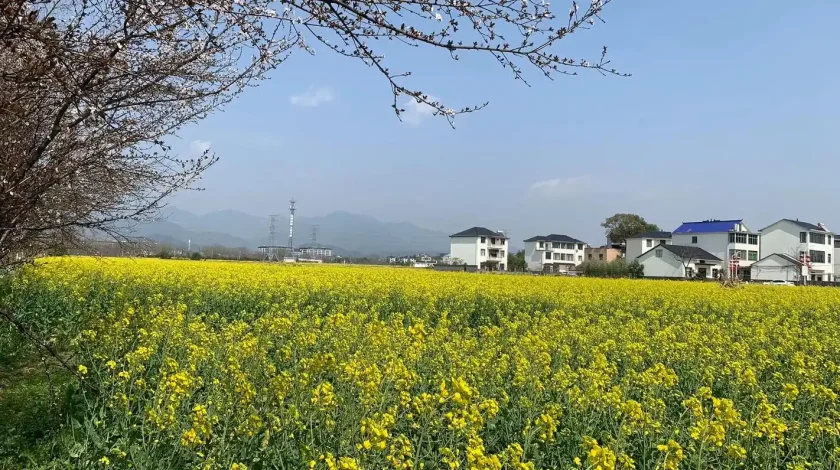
x=559 y=188
x=198 y=147
x=312 y=97
x=415 y=113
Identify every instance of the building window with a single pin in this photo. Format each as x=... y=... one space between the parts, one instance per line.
x=542 y=245
x=580 y=246
x=817 y=256
x=649 y=243
x=818 y=238
x=731 y=237
x=502 y=253
x=557 y=256
x=689 y=272
x=740 y=238
x=739 y=254
x=694 y=240
x=829 y=258
x=803 y=237
x=483 y=252
x=752 y=256
x=658 y=253
x=589 y=256
x=483 y=239
x=501 y=241
x=556 y=245
x=715 y=272
x=601 y=256
x=753 y=240
x=547 y=255
x=828 y=241
x=663 y=242
x=580 y=258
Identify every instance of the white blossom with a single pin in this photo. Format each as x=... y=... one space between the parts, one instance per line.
x=438 y=17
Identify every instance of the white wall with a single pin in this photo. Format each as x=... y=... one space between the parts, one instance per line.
x=714 y=243
x=836 y=260
x=671 y=265
x=774 y=268
x=666 y=266
x=783 y=237
x=533 y=256
x=637 y=246
x=465 y=248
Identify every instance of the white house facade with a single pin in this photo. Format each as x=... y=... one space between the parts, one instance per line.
x=724 y=239
x=798 y=239
x=553 y=253
x=836 y=258
x=481 y=247
x=677 y=261
x=777 y=267
x=643 y=242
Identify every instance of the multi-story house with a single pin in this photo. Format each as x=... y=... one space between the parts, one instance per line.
x=553 y=253
x=601 y=253
x=797 y=239
x=480 y=247
x=644 y=242
x=725 y=239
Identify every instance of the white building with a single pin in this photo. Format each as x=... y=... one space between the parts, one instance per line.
x=553 y=253
x=480 y=247
x=724 y=239
x=777 y=267
x=315 y=252
x=643 y=242
x=797 y=239
x=678 y=261
x=836 y=257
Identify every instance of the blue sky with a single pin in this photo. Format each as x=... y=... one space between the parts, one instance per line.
x=732 y=112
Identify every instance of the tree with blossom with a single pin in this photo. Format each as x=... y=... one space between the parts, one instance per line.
x=91 y=89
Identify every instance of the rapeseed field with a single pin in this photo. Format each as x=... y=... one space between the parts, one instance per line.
x=221 y=365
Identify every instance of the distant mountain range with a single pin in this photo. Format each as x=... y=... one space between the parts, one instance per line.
x=348 y=234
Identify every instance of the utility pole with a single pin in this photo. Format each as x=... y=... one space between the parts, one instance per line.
x=292 y=225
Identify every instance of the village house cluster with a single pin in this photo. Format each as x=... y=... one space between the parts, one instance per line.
x=787 y=250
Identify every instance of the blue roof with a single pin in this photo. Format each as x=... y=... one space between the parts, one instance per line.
x=707 y=226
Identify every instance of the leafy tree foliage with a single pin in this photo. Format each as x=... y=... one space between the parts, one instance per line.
x=620 y=227
x=616 y=268
x=516 y=261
